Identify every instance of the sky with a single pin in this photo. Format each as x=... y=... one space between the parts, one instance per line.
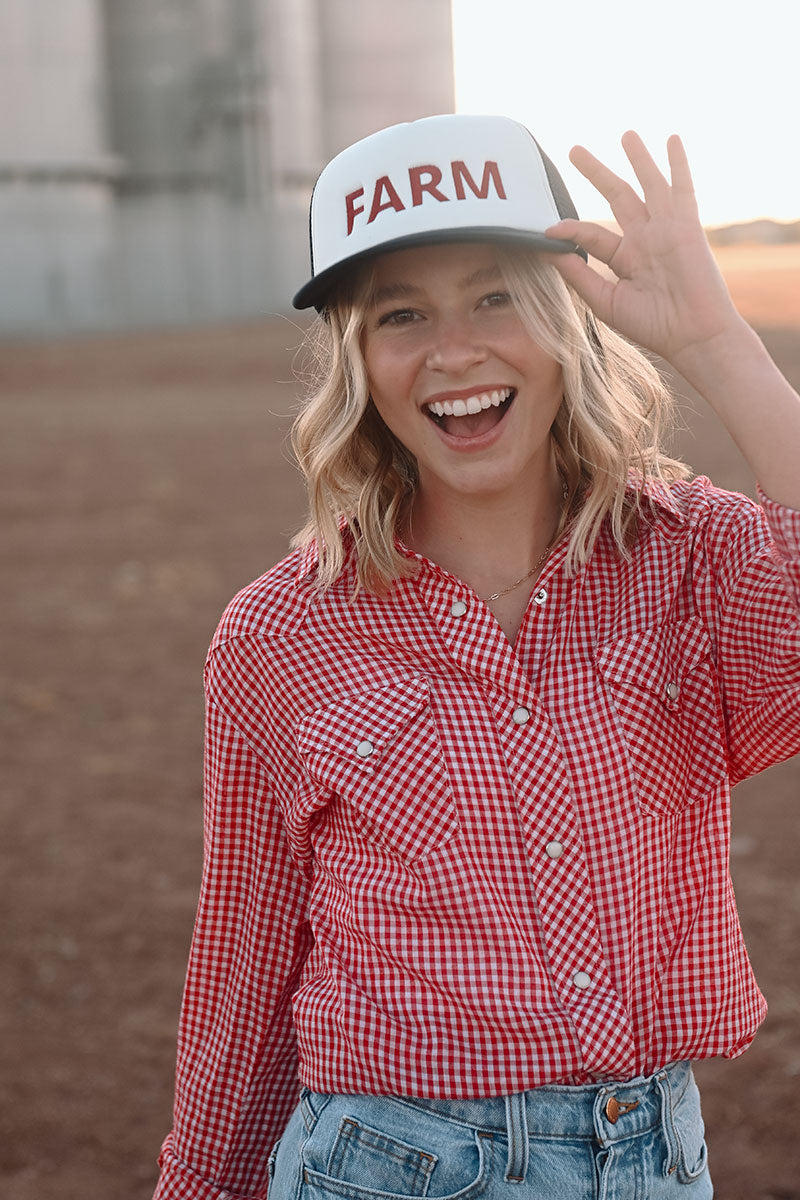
x=723 y=75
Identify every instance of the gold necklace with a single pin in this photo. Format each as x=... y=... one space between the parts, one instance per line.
x=527 y=575
x=536 y=566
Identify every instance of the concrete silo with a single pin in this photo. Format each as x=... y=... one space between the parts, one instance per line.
x=156 y=157
x=56 y=170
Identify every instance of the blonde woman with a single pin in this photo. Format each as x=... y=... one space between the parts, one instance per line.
x=466 y=918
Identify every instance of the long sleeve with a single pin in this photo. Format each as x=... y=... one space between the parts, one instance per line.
x=237 y=1070
x=759 y=638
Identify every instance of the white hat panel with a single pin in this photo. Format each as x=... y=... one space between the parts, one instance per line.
x=433 y=175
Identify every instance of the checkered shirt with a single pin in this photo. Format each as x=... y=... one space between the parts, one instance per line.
x=439 y=866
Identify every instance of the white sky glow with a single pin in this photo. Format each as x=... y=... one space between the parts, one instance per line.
x=722 y=75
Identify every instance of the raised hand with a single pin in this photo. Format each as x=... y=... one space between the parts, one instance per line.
x=669 y=295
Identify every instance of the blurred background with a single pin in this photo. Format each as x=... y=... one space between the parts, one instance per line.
x=157 y=157
x=156 y=161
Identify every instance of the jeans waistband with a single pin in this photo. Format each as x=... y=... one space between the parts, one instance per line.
x=609 y=1111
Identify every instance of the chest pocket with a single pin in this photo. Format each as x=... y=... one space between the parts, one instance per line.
x=663 y=687
x=379 y=752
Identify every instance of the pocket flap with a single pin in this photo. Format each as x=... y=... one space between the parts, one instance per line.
x=656 y=657
x=378 y=754
x=360 y=726
x=662 y=685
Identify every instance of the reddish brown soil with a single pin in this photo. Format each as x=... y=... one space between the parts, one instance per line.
x=145 y=479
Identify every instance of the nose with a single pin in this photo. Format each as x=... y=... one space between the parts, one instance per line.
x=455 y=347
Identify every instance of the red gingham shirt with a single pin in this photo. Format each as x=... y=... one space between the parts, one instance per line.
x=439 y=866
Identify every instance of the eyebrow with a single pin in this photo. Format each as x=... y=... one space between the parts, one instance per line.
x=394 y=291
x=483 y=275
x=404 y=291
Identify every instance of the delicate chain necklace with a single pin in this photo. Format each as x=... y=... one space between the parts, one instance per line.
x=535 y=567
x=526 y=576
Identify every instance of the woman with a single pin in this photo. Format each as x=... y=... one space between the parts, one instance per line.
x=470 y=746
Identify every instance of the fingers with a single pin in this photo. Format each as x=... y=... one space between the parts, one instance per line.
x=655 y=187
x=682 y=183
x=624 y=202
x=600 y=242
x=679 y=164
x=659 y=193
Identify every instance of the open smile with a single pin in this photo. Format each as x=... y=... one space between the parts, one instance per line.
x=471 y=416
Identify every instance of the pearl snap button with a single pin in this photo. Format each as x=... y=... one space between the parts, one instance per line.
x=521 y=715
x=364 y=749
x=554 y=849
x=581 y=980
x=540 y=596
x=672 y=691
x=458 y=608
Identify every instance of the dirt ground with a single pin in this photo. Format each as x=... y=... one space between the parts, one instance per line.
x=144 y=480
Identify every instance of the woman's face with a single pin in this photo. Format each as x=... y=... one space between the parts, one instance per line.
x=456 y=376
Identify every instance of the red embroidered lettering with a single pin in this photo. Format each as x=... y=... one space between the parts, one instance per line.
x=490 y=171
x=429 y=185
x=384 y=184
x=352 y=211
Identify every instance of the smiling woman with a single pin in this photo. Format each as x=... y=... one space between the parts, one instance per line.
x=454 y=345
x=470 y=745
x=567 y=408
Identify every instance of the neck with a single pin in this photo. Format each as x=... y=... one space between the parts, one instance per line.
x=488 y=541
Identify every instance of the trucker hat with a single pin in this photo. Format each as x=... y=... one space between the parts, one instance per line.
x=448 y=178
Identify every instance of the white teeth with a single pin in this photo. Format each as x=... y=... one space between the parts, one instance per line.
x=473 y=404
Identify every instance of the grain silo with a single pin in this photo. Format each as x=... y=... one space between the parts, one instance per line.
x=156 y=157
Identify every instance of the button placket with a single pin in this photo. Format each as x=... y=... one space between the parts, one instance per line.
x=546 y=809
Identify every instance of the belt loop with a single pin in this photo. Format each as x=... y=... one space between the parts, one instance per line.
x=667 y=1123
x=517 y=1131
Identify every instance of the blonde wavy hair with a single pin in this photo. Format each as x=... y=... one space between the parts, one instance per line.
x=359 y=477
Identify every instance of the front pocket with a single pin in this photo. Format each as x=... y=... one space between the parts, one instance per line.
x=379 y=753
x=663 y=687
x=361 y=1153
x=379 y=1177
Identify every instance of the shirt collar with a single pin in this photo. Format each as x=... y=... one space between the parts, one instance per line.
x=651 y=489
x=658 y=494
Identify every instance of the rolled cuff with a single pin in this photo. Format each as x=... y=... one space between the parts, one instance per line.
x=179 y=1182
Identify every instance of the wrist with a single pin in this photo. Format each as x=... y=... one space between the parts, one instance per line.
x=720 y=358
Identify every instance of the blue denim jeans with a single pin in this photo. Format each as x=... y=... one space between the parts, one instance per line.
x=638 y=1140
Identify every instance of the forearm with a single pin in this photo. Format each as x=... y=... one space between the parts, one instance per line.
x=735 y=375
